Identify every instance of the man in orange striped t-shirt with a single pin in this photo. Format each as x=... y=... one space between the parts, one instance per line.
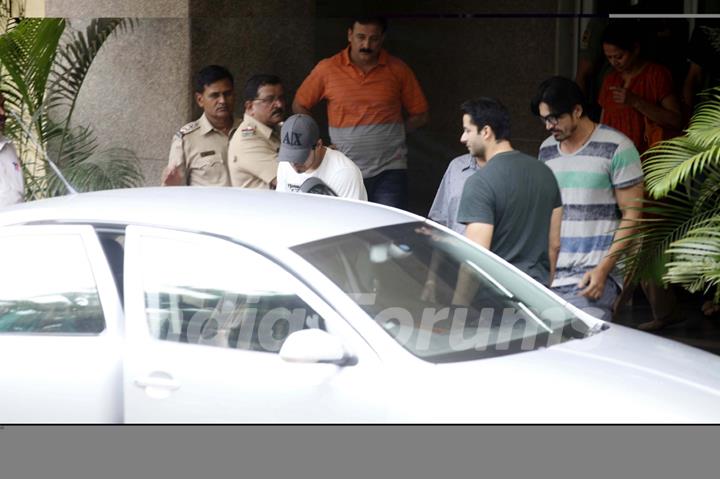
x=366 y=90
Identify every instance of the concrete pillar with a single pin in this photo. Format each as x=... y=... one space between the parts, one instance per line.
x=137 y=93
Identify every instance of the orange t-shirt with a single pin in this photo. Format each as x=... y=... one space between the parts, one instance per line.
x=357 y=98
x=653 y=83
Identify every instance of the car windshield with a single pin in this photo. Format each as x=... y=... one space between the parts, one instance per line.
x=441 y=298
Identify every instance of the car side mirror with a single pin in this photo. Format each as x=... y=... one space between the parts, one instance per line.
x=380 y=253
x=315 y=346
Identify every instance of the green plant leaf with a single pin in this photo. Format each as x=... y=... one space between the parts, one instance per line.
x=42 y=78
x=27 y=53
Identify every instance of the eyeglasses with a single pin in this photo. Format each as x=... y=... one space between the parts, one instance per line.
x=552 y=118
x=269 y=100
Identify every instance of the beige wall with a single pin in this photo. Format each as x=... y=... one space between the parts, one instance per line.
x=116 y=8
x=137 y=94
x=35 y=8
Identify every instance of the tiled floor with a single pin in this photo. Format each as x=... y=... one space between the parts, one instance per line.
x=697 y=330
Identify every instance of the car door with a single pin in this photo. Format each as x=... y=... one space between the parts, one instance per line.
x=60 y=324
x=206 y=319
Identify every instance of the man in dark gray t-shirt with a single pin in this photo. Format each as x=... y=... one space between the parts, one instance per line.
x=513 y=205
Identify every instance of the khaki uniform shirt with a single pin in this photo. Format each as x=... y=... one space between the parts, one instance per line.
x=200 y=152
x=253 y=155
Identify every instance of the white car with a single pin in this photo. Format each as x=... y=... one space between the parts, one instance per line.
x=227 y=305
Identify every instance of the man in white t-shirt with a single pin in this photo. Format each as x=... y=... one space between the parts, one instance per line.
x=11 y=179
x=303 y=156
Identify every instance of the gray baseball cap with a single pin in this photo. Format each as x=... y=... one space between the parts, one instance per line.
x=298 y=136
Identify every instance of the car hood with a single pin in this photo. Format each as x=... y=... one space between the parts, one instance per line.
x=618 y=375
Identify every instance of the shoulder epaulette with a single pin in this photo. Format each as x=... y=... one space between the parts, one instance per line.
x=247 y=131
x=192 y=126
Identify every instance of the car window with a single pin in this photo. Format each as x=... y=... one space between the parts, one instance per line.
x=217 y=293
x=47 y=286
x=442 y=299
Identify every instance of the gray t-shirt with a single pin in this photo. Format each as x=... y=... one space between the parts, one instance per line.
x=516 y=194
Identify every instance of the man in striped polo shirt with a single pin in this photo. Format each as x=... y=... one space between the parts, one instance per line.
x=366 y=91
x=601 y=180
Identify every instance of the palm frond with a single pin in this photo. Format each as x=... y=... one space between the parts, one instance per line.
x=80 y=143
x=27 y=53
x=695 y=262
x=704 y=128
x=708 y=196
x=76 y=56
x=663 y=223
x=88 y=169
x=672 y=162
x=74 y=61
x=83 y=166
x=102 y=170
x=42 y=79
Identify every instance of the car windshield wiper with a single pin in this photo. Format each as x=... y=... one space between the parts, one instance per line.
x=52 y=164
x=597 y=328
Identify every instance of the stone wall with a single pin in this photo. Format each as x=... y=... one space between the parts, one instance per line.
x=137 y=93
x=116 y=8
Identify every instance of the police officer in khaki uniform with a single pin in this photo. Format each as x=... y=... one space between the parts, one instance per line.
x=253 y=150
x=198 y=153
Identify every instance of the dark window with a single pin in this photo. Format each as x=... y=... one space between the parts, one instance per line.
x=47 y=286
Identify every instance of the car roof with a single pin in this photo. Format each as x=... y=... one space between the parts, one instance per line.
x=254 y=215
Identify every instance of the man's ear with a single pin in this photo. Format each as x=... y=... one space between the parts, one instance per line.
x=578 y=111
x=198 y=99
x=486 y=132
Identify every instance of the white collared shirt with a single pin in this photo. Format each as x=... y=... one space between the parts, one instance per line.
x=12 y=187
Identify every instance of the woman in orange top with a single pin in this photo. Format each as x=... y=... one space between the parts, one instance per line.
x=637 y=97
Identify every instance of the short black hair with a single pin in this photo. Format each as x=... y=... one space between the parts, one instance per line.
x=623 y=34
x=370 y=20
x=209 y=75
x=560 y=94
x=256 y=81
x=488 y=111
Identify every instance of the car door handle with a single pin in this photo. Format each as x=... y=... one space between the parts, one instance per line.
x=158 y=380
